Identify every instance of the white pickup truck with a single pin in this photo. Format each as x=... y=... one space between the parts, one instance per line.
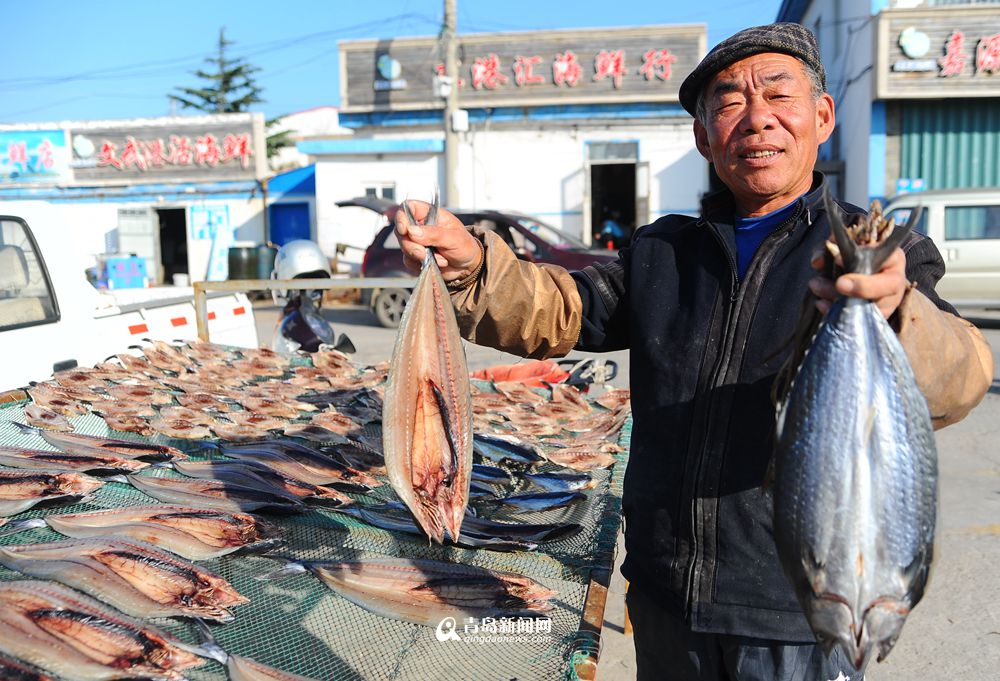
x=52 y=318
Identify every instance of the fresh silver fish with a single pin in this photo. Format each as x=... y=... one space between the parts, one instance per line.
x=20 y=490
x=490 y=474
x=507 y=449
x=560 y=482
x=856 y=468
x=427 y=591
x=396 y=519
x=427 y=412
x=194 y=533
x=79 y=639
x=134 y=577
x=540 y=501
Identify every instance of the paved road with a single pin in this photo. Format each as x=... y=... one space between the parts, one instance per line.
x=954 y=634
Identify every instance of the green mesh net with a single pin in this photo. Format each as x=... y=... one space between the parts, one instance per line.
x=299 y=625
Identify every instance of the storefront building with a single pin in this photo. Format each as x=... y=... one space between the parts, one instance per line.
x=178 y=191
x=573 y=127
x=917 y=91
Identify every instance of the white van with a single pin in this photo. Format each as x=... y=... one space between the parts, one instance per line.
x=52 y=318
x=965 y=226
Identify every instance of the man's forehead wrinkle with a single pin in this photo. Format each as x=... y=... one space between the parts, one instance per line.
x=725 y=86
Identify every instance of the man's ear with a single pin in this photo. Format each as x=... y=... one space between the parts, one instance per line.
x=826 y=117
x=701 y=140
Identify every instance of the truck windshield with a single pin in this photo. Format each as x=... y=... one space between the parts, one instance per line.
x=25 y=292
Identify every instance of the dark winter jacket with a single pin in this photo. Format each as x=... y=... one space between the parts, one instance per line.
x=704 y=352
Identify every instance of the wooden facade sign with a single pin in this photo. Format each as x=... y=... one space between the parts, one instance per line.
x=523 y=69
x=223 y=147
x=939 y=52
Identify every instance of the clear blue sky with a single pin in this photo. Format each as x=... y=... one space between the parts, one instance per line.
x=72 y=60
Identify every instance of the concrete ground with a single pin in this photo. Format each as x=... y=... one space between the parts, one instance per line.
x=953 y=634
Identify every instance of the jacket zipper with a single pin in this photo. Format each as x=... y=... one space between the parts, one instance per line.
x=721 y=369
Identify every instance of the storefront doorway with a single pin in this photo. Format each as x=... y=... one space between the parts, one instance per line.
x=173 y=242
x=612 y=203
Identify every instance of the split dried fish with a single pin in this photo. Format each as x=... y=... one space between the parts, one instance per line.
x=427 y=413
x=301 y=463
x=45 y=460
x=14 y=670
x=79 y=639
x=581 y=458
x=194 y=533
x=56 y=401
x=426 y=591
x=134 y=577
x=251 y=474
x=42 y=417
x=214 y=494
x=76 y=443
x=20 y=490
x=180 y=429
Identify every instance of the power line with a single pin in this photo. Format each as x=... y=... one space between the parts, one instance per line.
x=166 y=66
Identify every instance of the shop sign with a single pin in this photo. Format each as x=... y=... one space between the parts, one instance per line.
x=526 y=68
x=33 y=156
x=939 y=53
x=907 y=185
x=197 y=148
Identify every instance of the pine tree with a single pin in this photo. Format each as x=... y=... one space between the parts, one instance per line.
x=231 y=87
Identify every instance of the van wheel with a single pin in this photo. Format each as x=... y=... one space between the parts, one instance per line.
x=388 y=306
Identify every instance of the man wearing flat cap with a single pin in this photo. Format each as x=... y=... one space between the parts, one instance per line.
x=706 y=307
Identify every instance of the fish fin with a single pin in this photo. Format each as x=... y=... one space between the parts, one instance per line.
x=893 y=240
x=118 y=478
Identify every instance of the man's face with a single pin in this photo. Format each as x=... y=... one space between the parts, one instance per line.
x=762 y=130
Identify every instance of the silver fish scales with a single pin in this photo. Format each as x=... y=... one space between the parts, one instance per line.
x=427 y=410
x=856 y=469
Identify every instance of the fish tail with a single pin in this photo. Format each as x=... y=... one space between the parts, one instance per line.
x=864 y=258
x=289 y=569
x=26 y=429
x=19 y=526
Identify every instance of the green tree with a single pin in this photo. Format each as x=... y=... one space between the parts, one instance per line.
x=231 y=87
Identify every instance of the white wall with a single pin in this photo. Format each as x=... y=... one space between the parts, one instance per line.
x=540 y=172
x=345 y=177
x=86 y=223
x=847 y=42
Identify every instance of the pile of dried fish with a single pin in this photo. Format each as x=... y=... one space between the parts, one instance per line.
x=856 y=468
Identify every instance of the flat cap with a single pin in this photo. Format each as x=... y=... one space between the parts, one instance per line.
x=786 y=38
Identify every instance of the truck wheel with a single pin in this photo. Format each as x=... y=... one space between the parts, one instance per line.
x=388 y=306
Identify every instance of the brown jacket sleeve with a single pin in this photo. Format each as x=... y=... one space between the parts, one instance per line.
x=522 y=308
x=951 y=359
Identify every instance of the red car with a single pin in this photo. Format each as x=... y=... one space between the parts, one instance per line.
x=528 y=237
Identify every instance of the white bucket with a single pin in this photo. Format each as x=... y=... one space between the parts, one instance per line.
x=182 y=279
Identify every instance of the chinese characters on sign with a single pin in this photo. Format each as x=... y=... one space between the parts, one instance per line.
x=488 y=71
x=33 y=156
x=988 y=54
x=207 y=150
x=953 y=61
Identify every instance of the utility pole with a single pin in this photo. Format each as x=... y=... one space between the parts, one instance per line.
x=450 y=104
